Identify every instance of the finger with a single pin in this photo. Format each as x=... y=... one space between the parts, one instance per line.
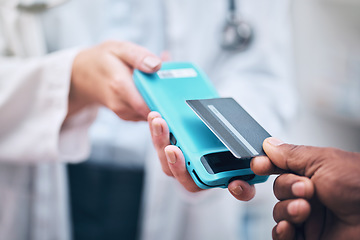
x=176 y=162
x=314 y=225
x=241 y=190
x=290 y=186
x=262 y=165
x=153 y=115
x=136 y=56
x=135 y=100
x=304 y=160
x=294 y=211
x=124 y=92
x=283 y=231
x=130 y=115
x=160 y=138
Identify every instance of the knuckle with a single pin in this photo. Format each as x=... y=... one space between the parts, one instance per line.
x=295 y=150
x=295 y=156
x=331 y=153
x=128 y=46
x=107 y=43
x=139 y=106
x=116 y=85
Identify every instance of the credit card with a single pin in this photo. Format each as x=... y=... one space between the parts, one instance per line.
x=236 y=129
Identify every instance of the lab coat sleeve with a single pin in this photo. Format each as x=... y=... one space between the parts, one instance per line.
x=33 y=105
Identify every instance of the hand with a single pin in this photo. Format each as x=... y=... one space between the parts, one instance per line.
x=319 y=190
x=103 y=74
x=173 y=162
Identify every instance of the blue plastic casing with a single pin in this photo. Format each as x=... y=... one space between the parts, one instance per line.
x=166 y=93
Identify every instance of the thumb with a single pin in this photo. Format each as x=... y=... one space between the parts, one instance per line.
x=137 y=57
x=303 y=160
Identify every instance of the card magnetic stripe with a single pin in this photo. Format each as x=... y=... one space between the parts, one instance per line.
x=238 y=148
x=232 y=129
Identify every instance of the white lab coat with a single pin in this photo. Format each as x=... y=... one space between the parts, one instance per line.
x=258 y=79
x=34 y=142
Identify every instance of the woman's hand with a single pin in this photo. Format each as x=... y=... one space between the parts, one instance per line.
x=103 y=75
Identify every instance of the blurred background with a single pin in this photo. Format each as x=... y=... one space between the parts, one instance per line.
x=327 y=63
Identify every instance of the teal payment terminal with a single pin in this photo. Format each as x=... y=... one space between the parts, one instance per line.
x=215 y=134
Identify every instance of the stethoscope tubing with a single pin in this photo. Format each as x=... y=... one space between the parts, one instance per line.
x=35 y=6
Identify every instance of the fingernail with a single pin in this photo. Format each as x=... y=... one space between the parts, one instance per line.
x=151 y=119
x=274 y=141
x=151 y=62
x=280 y=227
x=298 y=189
x=293 y=208
x=157 y=129
x=278 y=230
x=238 y=190
x=170 y=156
x=258 y=161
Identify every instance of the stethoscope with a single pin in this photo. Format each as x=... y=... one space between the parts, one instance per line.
x=37 y=7
x=236 y=34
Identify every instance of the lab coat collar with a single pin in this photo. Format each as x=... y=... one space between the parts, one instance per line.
x=22 y=33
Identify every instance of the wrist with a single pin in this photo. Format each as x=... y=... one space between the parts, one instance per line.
x=77 y=98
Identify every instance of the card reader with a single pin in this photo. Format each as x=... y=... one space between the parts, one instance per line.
x=216 y=135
